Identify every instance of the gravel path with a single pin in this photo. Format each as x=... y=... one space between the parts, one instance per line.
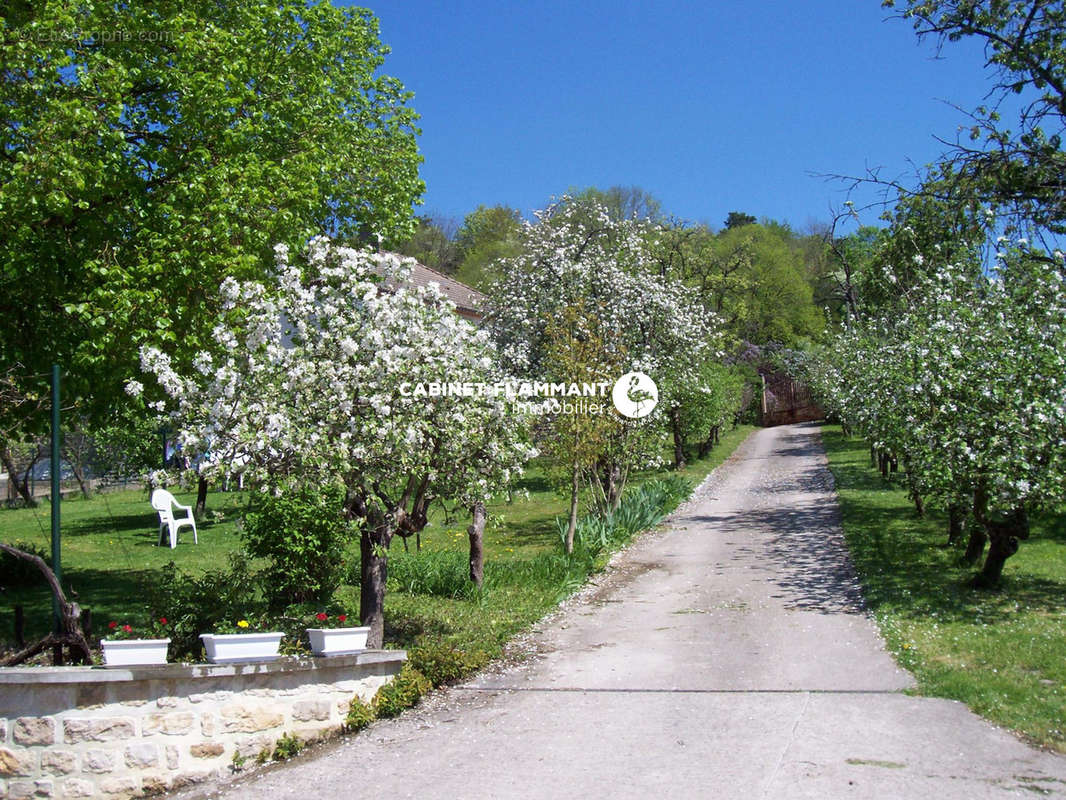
x=727 y=656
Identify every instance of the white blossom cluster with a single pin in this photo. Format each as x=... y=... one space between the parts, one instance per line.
x=303 y=385
x=967 y=386
x=577 y=253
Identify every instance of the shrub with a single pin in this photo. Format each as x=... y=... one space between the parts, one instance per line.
x=443 y=663
x=401 y=692
x=196 y=604
x=302 y=535
x=360 y=715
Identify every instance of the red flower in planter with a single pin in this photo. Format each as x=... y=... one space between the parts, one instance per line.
x=321 y=617
x=342 y=617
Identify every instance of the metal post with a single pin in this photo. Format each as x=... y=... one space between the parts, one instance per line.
x=55 y=491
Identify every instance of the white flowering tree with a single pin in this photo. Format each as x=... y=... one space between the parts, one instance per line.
x=968 y=387
x=312 y=382
x=576 y=255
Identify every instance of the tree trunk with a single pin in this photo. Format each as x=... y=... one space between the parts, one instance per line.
x=615 y=484
x=956 y=523
x=373 y=570
x=884 y=466
x=679 y=440
x=476 y=533
x=1004 y=537
x=79 y=476
x=873 y=456
x=571 y=524
x=22 y=485
x=976 y=546
x=201 y=498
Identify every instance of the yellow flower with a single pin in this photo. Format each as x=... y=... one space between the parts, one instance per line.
x=242 y=623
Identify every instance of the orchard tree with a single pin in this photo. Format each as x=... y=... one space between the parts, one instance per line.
x=578 y=255
x=579 y=351
x=315 y=380
x=150 y=150
x=1018 y=172
x=966 y=388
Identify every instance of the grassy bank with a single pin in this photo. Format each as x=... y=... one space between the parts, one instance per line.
x=110 y=557
x=1001 y=652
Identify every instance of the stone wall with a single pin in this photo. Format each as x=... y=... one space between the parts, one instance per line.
x=72 y=732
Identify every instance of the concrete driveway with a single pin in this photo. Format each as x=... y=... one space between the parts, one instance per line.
x=728 y=656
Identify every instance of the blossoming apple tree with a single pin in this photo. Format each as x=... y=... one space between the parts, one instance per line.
x=310 y=383
x=968 y=386
x=578 y=255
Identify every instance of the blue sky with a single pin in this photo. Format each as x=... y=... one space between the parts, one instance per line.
x=710 y=106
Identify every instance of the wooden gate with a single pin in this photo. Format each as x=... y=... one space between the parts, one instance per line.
x=785 y=401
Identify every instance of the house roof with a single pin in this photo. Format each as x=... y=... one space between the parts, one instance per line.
x=469 y=301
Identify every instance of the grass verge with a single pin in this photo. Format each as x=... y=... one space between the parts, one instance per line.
x=1001 y=652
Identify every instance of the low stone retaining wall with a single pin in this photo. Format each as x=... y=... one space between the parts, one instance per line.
x=72 y=732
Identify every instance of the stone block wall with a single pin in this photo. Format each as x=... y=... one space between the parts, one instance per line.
x=74 y=732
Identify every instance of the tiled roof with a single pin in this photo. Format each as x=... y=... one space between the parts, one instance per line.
x=469 y=301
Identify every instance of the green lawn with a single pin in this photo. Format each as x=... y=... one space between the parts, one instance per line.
x=110 y=556
x=109 y=551
x=1001 y=652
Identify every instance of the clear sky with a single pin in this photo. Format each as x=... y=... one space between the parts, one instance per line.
x=711 y=106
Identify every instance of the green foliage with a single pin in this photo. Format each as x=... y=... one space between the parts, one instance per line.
x=443 y=663
x=287 y=746
x=198 y=604
x=17 y=572
x=641 y=508
x=753 y=276
x=439 y=573
x=302 y=535
x=738 y=219
x=487 y=235
x=433 y=244
x=238 y=761
x=401 y=692
x=138 y=173
x=360 y=715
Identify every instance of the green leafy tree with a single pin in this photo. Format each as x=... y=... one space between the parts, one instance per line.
x=753 y=277
x=488 y=234
x=433 y=244
x=738 y=219
x=579 y=350
x=148 y=150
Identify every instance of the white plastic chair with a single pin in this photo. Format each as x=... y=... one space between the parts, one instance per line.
x=164 y=502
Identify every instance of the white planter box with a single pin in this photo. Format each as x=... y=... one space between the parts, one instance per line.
x=132 y=652
x=224 y=648
x=337 y=641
